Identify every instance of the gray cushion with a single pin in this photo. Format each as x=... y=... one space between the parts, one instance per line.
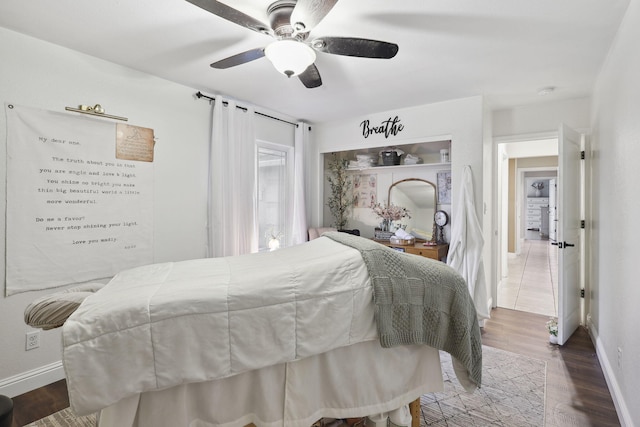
x=51 y=311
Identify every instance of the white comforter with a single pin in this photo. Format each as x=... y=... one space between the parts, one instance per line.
x=158 y=326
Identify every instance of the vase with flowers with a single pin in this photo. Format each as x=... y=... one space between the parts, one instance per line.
x=273 y=239
x=552 y=327
x=389 y=213
x=539 y=186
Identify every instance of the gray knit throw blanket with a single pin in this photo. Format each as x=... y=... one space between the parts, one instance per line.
x=420 y=301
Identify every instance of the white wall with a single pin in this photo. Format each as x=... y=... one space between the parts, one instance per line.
x=612 y=117
x=547 y=147
x=543 y=118
x=533 y=126
x=615 y=144
x=42 y=75
x=491 y=215
x=462 y=121
x=458 y=120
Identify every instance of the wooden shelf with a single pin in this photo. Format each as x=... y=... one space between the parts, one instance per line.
x=419 y=165
x=429 y=152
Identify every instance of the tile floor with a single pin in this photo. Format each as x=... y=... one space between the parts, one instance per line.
x=532 y=282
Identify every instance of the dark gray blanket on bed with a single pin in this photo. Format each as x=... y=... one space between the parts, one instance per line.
x=420 y=301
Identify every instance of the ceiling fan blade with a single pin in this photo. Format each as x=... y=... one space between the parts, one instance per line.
x=349 y=46
x=232 y=15
x=308 y=13
x=240 y=58
x=310 y=77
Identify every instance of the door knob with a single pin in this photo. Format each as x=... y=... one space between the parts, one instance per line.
x=562 y=245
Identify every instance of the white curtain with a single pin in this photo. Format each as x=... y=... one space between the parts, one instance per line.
x=232 y=228
x=299 y=215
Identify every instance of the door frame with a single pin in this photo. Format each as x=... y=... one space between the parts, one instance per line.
x=587 y=214
x=497 y=217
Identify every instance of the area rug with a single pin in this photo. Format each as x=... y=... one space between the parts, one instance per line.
x=512 y=395
x=65 y=418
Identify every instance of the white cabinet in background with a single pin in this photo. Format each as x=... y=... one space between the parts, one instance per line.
x=537 y=217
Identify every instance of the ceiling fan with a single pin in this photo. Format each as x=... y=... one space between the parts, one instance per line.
x=290 y=22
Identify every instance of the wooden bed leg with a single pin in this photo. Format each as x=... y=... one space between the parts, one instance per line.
x=414 y=408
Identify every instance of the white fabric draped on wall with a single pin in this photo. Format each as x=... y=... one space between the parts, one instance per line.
x=232 y=228
x=298 y=230
x=465 y=249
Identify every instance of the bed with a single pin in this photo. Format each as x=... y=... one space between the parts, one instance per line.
x=337 y=327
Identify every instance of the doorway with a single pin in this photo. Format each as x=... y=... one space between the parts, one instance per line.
x=528 y=268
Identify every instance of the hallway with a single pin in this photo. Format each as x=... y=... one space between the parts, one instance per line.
x=532 y=282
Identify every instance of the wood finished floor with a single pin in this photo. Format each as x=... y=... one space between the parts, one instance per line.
x=577 y=394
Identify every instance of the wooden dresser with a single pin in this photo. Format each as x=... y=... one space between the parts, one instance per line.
x=437 y=252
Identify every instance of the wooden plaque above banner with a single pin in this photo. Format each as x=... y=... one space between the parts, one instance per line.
x=134 y=143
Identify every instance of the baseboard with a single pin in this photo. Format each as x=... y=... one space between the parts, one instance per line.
x=607 y=369
x=31 y=380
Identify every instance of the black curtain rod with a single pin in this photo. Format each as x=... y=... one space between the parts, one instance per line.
x=201 y=95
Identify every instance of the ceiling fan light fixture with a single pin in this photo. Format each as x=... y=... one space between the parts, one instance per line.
x=290 y=57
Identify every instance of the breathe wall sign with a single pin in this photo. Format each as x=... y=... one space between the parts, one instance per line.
x=389 y=127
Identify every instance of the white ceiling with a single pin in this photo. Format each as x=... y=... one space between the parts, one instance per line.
x=503 y=49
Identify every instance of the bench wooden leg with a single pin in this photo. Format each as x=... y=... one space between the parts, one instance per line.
x=414 y=408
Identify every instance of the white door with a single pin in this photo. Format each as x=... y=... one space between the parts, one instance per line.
x=568 y=232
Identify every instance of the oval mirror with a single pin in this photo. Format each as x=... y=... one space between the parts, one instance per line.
x=419 y=197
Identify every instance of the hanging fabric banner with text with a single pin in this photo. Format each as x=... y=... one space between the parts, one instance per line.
x=75 y=212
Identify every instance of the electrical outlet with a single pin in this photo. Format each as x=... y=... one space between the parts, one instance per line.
x=620 y=358
x=33 y=340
